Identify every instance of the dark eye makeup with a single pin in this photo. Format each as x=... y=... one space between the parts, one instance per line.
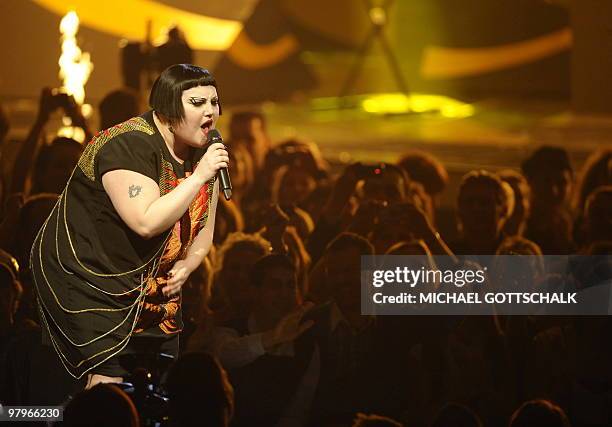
x=201 y=101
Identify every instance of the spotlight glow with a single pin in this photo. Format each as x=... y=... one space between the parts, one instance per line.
x=75 y=68
x=399 y=103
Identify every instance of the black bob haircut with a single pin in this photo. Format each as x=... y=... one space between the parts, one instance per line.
x=167 y=90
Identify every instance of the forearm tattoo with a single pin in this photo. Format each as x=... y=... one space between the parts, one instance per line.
x=134 y=190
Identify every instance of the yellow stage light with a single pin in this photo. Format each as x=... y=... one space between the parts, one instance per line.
x=399 y=103
x=129 y=18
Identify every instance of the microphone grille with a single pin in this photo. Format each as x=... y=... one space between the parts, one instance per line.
x=214 y=135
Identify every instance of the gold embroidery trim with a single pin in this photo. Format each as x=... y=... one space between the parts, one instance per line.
x=167 y=178
x=87 y=161
x=86 y=164
x=136 y=307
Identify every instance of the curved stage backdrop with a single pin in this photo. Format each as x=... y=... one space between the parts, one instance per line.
x=278 y=49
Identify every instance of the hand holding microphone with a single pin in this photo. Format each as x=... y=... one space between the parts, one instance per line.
x=214 y=137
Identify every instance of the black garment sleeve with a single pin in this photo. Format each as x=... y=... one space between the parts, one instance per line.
x=129 y=151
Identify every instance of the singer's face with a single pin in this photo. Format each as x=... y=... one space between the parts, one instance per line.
x=201 y=105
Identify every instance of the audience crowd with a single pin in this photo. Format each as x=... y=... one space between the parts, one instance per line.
x=274 y=334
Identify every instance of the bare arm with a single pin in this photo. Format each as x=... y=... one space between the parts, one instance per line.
x=204 y=240
x=233 y=350
x=236 y=351
x=137 y=201
x=23 y=164
x=197 y=251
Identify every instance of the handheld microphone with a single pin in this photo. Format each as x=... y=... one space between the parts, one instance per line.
x=224 y=178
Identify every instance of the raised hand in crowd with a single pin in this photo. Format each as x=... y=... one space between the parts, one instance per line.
x=274 y=223
x=337 y=205
x=289 y=327
x=285 y=239
x=49 y=102
x=366 y=217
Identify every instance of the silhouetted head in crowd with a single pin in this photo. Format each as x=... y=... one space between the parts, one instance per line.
x=420 y=255
x=292 y=186
x=174 y=51
x=228 y=219
x=550 y=175
x=235 y=259
x=3 y=189
x=54 y=165
x=274 y=280
x=32 y=216
x=298 y=153
x=4 y=130
x=484 y=204
x=515 y=225
x=456 y=415
x=200 y=392
x=342 y=264
x=10 y=290
x=531 y=264
x=598 y=214
x=196 y=292
x=413 y=247
x=426 y=170
x=597 y=171
x=363 y=420
x=387 y=183
x=102 y=405
x=242 y=172
x=396 y=223
x=540 y=413
x=517 y=245
x=417 y=195
x=118 y=106
x=249 y=128
x=301 y=220
x=298 y=218
x=175 y=34
x=386 y=233
x=4 y=124
x=315 y=203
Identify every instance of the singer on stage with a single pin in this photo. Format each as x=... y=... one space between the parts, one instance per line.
x=135 y=219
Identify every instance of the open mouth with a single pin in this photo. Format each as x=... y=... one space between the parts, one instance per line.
x=206 y=126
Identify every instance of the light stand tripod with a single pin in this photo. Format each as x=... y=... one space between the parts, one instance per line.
x=378 y=19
